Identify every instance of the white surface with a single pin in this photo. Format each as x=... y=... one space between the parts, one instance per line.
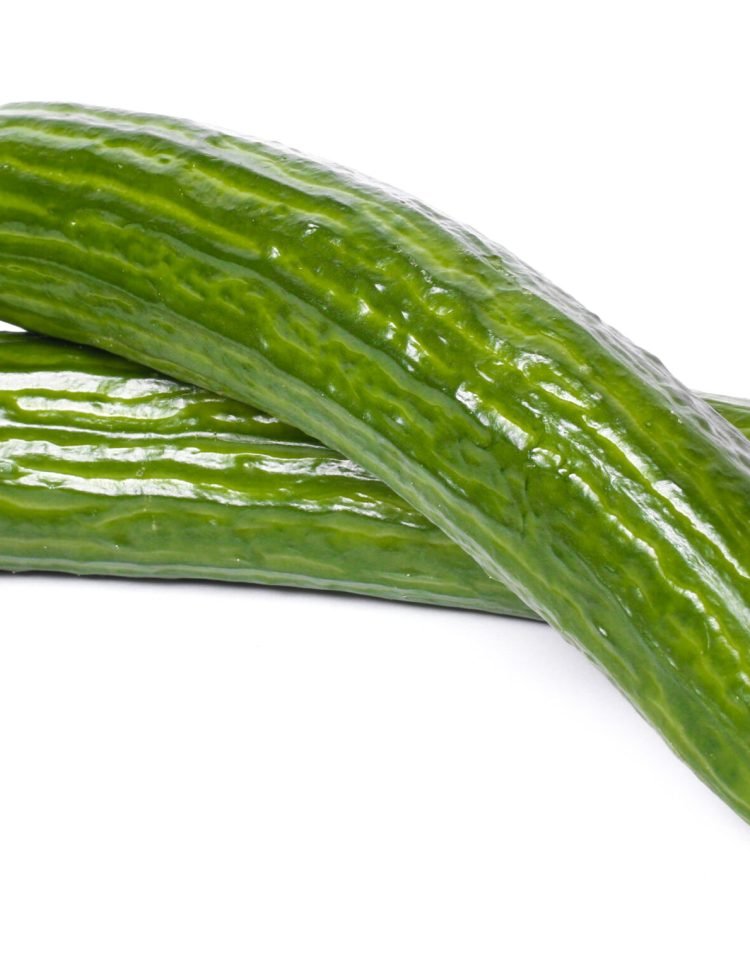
x=227 y=782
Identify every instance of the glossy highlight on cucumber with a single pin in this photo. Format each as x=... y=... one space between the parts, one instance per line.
x=567 y=462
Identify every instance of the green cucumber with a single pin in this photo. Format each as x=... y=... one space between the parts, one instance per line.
x=571 y=465
x=107 y=468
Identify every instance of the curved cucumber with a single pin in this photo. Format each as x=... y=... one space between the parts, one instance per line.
x=567 y=462
x=109 y=468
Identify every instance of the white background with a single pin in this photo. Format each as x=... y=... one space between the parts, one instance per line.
x=204 y=781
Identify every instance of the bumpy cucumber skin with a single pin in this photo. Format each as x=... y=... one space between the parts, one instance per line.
x=108 y=468
x=567 y=462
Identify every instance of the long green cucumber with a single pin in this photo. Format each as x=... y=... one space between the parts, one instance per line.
x=570 y=464
x=109 y=468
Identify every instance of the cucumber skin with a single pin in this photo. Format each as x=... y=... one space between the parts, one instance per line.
x=567 y=462
x=91 y=482
x=108 y=468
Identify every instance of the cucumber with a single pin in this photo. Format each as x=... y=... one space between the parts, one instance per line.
x=568 y=463
x=109 y=468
